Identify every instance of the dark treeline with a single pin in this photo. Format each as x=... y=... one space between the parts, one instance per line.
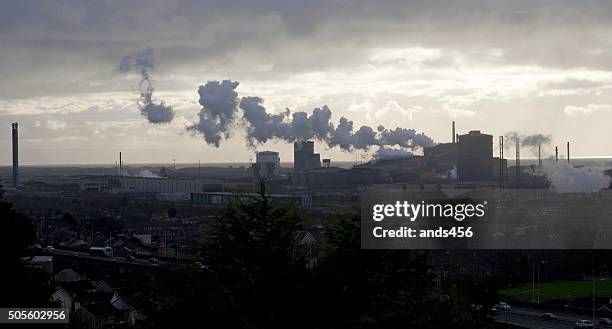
x=21 y=289
x=257 y=277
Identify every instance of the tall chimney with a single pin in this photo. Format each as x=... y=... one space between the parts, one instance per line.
x=568 y=154
x=15 y=154
x=454 y=136
x=540 y=155
x=120 y=165
x=501 y=161
x=518 y=164
x=556 y=154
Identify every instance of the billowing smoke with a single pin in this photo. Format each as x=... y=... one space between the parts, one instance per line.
x=262 y=126
x=388 y=153
x=219 y=114
x=533 y=142
x=143 y=63
x=530 y=141
x=219 y=102
x=566 y=179
x=512 y=137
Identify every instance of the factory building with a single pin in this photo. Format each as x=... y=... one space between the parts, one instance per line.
x=223 y=198
x=127 y=184
x=267 y=164
x=475 y=157
x=398 y=170
x=334 y=177
x=304 y=158
x=441 y=158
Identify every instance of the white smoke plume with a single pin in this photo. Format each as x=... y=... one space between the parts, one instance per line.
x=219 y=102
x=566 y=179
x=143 y=63
x=388 y=153
x=262 y=126
x=219 y=114
x=146 y=173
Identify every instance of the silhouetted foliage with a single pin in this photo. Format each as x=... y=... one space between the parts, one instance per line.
x=20 y=290
x=69 y=219
x=256 y=277
x=383 y=288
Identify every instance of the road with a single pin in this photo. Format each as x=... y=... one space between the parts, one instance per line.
x=531 y=318
x=102 y=259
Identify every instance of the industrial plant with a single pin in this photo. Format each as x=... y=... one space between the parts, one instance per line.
x=467 y=161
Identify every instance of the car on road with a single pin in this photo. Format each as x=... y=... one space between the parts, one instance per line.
x=199 y=266
x=549 y=316
x=501 y=306
x=583 y=324
x=605 y=322
x=153 y=260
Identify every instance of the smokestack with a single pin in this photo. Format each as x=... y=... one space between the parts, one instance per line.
x=556 y=154
x=518 y=164
x=454 y=135
x=540 y=155
x=120 y=165
x=501 y=161
x=15 y=154
x=568 y=154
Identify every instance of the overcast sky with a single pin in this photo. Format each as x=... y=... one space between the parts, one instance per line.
x=496 y=66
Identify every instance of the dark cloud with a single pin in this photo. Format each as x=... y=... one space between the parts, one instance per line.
x=288 y=37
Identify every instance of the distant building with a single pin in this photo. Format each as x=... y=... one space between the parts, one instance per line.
x=304 y=158
x=92 y=185
x=128 y=184
x=327 y=178
x=475 y=157
x=222 y=198
x=398 y=170
x=267 y=164
x=441 y=158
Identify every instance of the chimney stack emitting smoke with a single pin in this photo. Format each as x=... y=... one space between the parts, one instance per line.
x=539 y=155
x=454 y=135
x=15 y=135
x=556 y=154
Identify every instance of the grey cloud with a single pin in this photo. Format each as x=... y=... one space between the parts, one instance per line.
x=294 y=36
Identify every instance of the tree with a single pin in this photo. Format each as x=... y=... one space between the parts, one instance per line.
x=20 y=290
x=257 y=278
x=256 y=275
x=383 y=288
x=254 y=254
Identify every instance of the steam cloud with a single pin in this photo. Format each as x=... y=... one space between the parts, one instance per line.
x=262 y=126
x=219 y=102
x=566 y=179
x=219 y=113
x=143 y=63
x=384 y=153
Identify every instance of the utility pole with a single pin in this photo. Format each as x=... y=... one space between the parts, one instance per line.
x=593 y=297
